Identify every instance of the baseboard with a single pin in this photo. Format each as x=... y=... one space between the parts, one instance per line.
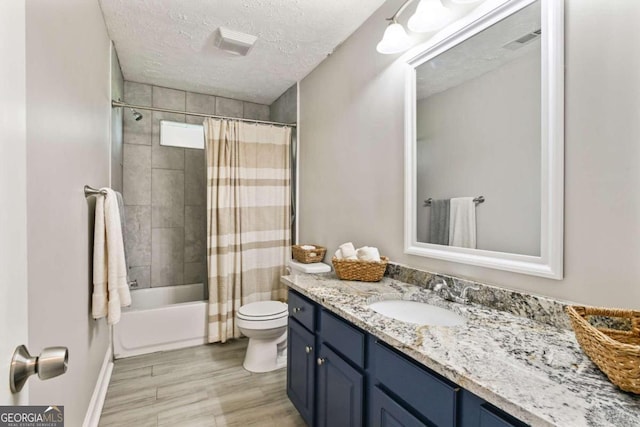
x=92 y=418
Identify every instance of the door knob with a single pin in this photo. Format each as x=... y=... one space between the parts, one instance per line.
x=51 y=363
x=308 y=349
x=321 y=361
x=297 y=309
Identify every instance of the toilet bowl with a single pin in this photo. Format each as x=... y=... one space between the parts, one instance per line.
x=265 y=324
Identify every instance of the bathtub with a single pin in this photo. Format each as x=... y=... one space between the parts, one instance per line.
x=164 y=318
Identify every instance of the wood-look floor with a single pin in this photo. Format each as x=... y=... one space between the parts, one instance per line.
x=198 y=386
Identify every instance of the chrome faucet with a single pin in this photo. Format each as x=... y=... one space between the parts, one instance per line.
x=447 y=293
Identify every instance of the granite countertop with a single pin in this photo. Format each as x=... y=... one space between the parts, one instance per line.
x=534 y=371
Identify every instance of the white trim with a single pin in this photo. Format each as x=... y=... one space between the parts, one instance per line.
x=297 y=129
x=92 y=417
x=550 y=263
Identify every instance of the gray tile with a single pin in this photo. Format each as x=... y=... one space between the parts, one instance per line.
x=256 y=111
x=228 y=107
x=167 y=199
x=167 y=261
x=136 y=170
x=138 y=236
x=165 y=157
x=195 y=234
x=195 y=272
x=137 y=132
x=142 y=275
x=199 y=103
x=195 y=173
x=169 y=98
x=137 y=93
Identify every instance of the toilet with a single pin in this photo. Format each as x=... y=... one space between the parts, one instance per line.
x=265 y=324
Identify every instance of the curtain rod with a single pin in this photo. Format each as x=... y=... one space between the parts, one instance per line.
x=187 y=113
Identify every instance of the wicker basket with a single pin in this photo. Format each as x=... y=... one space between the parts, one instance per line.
x=364 y=271
x=307 y=256
x=615 y=352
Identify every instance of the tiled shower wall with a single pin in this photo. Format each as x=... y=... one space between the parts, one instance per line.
x=164 y=187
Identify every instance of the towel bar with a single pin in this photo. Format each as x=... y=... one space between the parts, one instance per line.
x=90 y=191
x=477 y=201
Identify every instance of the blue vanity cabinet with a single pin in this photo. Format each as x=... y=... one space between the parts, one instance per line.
x=340 y=391
x=341 y=376
x=301 y=357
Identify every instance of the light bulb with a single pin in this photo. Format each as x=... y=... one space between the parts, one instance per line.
x=394 y=40
x=430 y=15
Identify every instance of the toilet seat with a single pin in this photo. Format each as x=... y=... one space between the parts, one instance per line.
x=262 y=315
x=263 y=310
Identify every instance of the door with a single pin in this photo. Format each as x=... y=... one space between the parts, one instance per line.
x=13 y=193
x=340 y=388
x=300 y=369
x=388 y=413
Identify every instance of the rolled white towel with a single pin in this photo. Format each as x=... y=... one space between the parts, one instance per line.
x=367 y=253
x=307 y=247
x=348 y=251
x=338 y=254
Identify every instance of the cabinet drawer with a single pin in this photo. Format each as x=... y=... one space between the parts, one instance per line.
x=342 y=337
x=431 y=396
x=389 y=413
x=302 y=310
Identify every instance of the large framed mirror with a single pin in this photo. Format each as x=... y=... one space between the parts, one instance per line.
x=484 y=149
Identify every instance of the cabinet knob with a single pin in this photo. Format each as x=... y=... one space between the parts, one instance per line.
x=321 y=361
x=308 y=349
x=297 y=309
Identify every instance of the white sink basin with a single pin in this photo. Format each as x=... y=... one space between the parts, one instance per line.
x=418 y=313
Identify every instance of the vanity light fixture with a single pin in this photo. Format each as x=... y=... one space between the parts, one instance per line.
x=394 y=40
x=430 y=15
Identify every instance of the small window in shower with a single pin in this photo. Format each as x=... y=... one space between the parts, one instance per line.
x=183 y=135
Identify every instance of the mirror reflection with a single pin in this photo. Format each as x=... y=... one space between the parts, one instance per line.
x=478 y=147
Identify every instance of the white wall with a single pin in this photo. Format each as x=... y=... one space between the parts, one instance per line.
x=351 y=117
x=13 y=193
x=68 y=121
x=482 y=138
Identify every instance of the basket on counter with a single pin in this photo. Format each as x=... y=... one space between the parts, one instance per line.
x=615 y=352
x=363 y=271
x=307 y=256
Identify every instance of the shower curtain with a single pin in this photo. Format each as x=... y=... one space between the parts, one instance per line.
x=248 y=218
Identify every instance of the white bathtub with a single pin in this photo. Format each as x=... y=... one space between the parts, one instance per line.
x=159 y=319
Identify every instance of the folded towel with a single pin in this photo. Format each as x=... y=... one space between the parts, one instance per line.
x=348 y=251
x=462 y=222
x=307 y=247
x=439 y=222
x=367 y=253
x=338 y=254
x=122 y=227
x=110 y=287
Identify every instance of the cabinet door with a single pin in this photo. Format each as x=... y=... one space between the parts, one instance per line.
x=300 y=370
x=388 y=413
x=340 y=391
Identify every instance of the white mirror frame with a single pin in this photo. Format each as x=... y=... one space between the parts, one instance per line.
x=550 y=263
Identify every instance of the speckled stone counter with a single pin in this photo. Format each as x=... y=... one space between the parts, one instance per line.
x=532 y=370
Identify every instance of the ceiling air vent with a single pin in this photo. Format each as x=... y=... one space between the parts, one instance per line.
x=234 y=41
x=524 y=40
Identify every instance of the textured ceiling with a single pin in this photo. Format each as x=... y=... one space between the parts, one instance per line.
x=170 y=42
x=479 y=54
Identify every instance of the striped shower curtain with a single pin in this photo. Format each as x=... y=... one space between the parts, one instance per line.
x=248 y=218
